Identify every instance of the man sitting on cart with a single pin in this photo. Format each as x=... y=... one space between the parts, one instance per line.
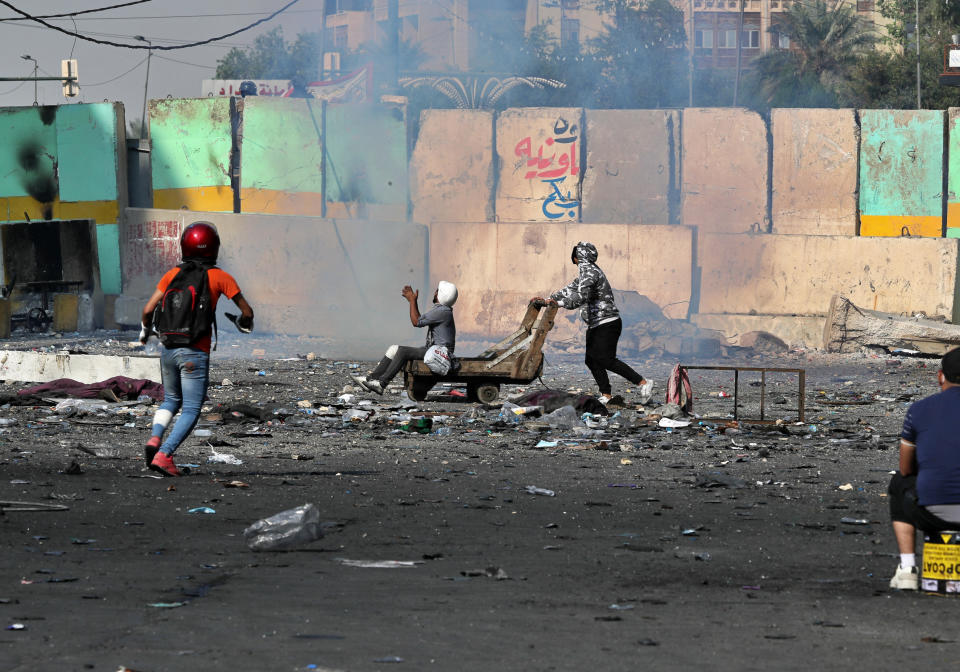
x=441 y=338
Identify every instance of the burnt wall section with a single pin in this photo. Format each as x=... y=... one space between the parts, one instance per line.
x=42 y=259
x=630 y=166
x=814 y=176
x=725 y=172
x=451 y=168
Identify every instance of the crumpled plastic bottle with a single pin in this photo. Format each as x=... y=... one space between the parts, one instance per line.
x=565 y=417
x=285 y=530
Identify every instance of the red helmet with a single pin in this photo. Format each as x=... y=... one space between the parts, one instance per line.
x=200 y=239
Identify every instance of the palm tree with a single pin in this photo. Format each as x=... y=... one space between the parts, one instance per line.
x=825 y=44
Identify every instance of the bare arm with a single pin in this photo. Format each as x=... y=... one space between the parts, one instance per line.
x=412 y=296
x=146 y=318
x=246 y=312
x=908 y=458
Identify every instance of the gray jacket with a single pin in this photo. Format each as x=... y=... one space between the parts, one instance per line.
x=590 y=289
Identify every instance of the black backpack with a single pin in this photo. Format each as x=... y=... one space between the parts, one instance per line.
x=185 y=311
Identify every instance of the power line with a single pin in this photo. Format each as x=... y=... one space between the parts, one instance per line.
x=88 y=86
x=174 y=16
x=137 y=46
x=84 y=11
x=225 y=45
x=196 y=65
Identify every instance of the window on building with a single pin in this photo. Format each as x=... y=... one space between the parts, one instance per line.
x=865 y=5
x=703 y=38
x=570 y=32
x=727 y=38
x=783 y=41
x=751 y=37
x=340 y=37
x=571 y=4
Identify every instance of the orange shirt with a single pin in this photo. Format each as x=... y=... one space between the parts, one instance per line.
x=220 y=281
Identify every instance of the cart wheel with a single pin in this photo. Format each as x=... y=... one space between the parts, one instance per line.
x=419 y=388
x=488 y=394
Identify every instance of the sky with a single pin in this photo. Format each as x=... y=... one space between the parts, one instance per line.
x=119 y=74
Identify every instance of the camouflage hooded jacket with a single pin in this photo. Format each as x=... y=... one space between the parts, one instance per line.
x=591 y=290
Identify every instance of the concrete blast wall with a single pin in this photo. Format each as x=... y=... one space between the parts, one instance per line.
x=539 y=152
x=953 y=173
x=295 y=157
x=302 y=275
x=724 y=170
x=66 y=163
x=451 y=169
x=632 y=171
x=815 y=171
x=498 y=267
x=901 y=172
x=797 y=275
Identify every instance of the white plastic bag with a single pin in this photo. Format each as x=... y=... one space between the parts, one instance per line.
x=285 y=530
x=437 y=359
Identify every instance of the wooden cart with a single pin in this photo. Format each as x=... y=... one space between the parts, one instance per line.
x=516 y=359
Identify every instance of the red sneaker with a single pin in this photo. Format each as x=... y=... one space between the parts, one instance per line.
x=149 y=450
x=161 y=462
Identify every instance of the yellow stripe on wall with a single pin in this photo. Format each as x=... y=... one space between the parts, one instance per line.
x=276 y=202
x=209 y=199
x=20 y=208
x=953 y=215
x=901 y=225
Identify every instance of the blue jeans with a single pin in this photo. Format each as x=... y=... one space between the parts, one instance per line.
x=185 y=374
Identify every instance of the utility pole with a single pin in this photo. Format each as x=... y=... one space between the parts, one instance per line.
x=916 y=30
x=144 y=126
x=736 y=83
x=323 y=39
x=692 y=45
x=36 y=66
x=393 y=44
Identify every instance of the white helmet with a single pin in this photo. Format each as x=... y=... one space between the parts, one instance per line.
x=447 y=293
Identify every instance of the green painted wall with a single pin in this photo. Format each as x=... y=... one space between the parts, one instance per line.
x=28 y=150
x=282 y=144
x=901 y=165
x=366 y=155
x=108 y=252
x=190 y=142
x=87 y=150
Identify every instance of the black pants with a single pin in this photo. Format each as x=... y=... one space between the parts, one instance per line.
x=905 y=508
x=602 y=355
x=388 y=368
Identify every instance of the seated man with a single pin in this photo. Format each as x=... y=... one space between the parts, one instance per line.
x=925 y=493
x=441 y=331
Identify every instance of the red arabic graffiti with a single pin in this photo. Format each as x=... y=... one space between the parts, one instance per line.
x=561 y=162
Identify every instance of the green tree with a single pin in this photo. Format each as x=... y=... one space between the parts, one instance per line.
x=272 y=57
x=643 y=56
x=826 y=43
x=888 y=78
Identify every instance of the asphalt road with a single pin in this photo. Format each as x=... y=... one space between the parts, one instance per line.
x=707 y=547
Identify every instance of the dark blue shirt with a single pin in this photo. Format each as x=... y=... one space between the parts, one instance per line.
x=932 y=425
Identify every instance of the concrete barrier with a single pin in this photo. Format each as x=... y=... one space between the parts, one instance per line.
x=42 y=367
x=724 y=168
x=814 y=171
x=901 y=172
x=282 y=156
x=795 y=330
x=302 y=275
x=953 y=172
x=510 y=262
x=190 y=157
x=451 y=169
x=632 y=166
x=797 y=275
x=540 y=154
